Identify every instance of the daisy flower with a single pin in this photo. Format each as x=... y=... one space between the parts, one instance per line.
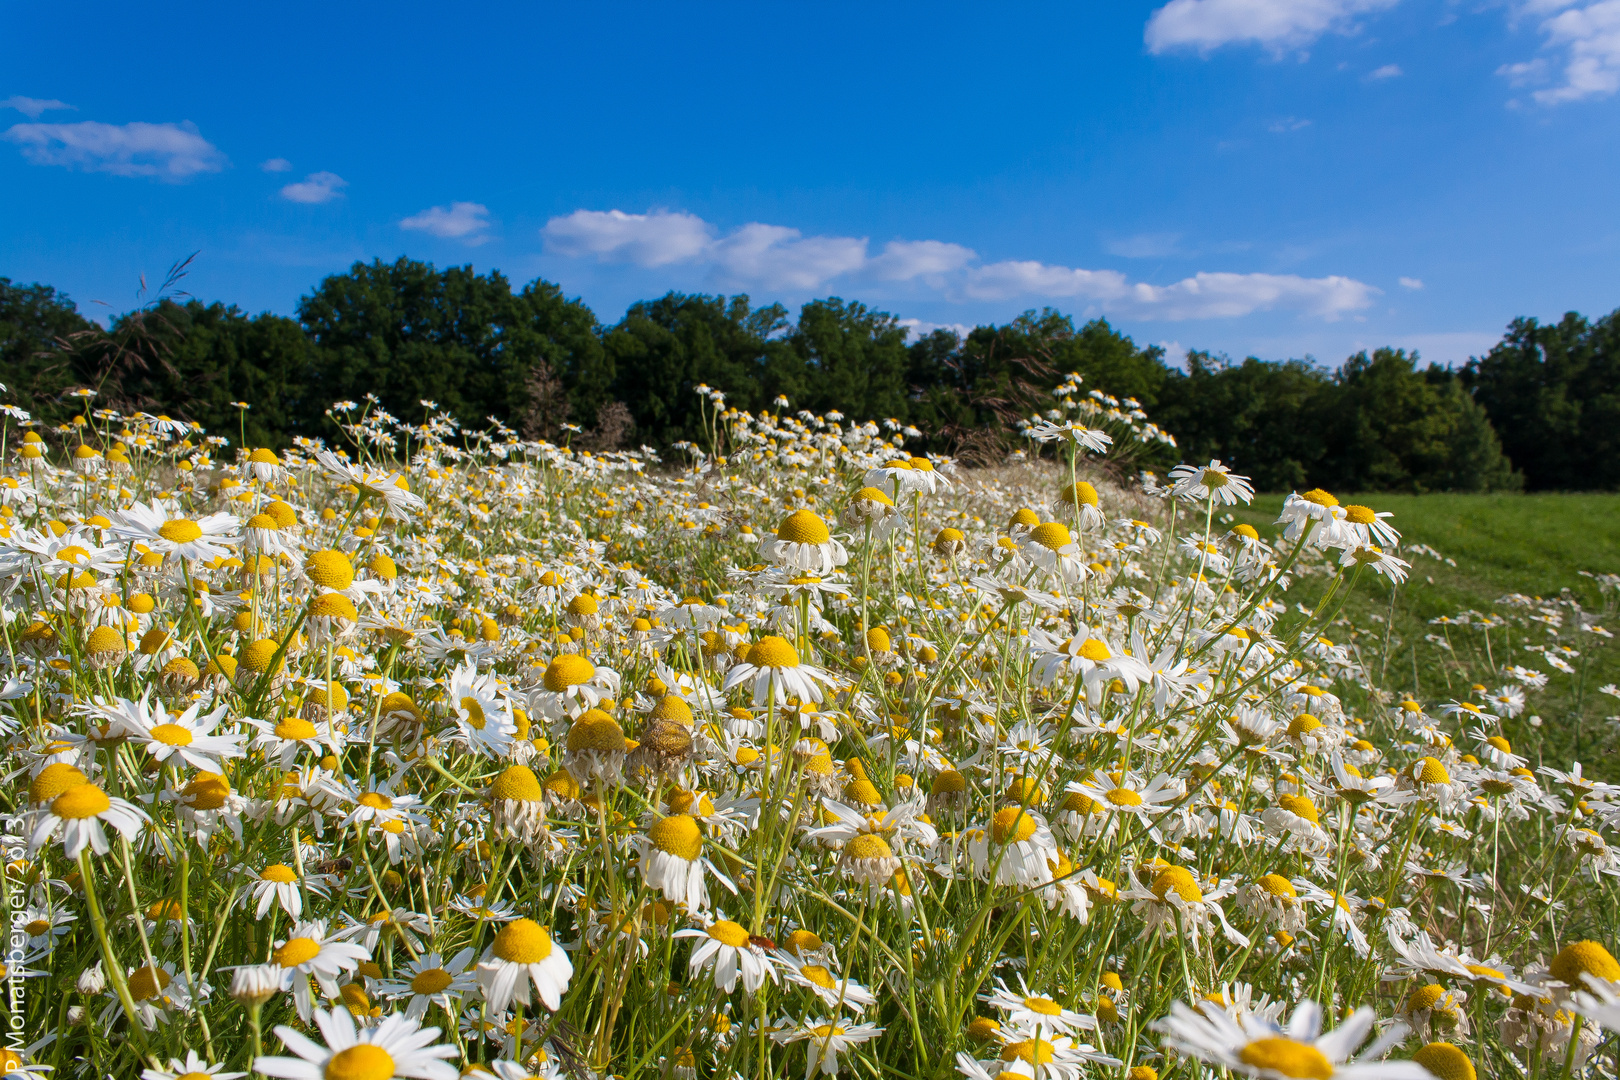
x=1018 y=846
x=186 y=736
x=1252 y=1046
x=570 y=685
x=192 y=1068
x=481 y=712
x=804 y=542
x=824 y=1040
x=396 y=1047
x=672 y=861
x=1196 y=483
x=1051 y=547
x=1028 y=1011
x=79 y=813
x=277 y=884
x=308 y=952
x=523 y=953
x=429 y=980
x=392 y=487
x=773 y=670
x=820 y=980
x=207 y=538
x=727 y=948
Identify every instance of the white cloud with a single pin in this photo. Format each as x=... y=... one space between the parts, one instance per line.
x=317 y=187
x=1146 y=246
x=464 y=221
x=1388 y=71
x=1276 y=24
x=903 y=260
x=1411 y=283
x=657 y=238
x=277 y=164
x=779 y=257
x=170 y=152
x=1287 y=124
x=917 y=328
x=33 y=107
x=1203 y=296
x=1588 y=33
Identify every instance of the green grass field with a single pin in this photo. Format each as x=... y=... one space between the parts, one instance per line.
x=1531 y=544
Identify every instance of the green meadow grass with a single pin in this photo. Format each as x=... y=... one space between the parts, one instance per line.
x=1531 y=544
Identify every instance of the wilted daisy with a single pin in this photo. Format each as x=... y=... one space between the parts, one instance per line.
x=803 y=541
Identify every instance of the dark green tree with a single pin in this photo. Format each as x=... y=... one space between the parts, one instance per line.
x=1552 y=391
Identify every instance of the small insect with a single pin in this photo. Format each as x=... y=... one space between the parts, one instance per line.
x=334 y=866
x=761 y=940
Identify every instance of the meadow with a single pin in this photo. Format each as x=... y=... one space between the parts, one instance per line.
x=443 y=753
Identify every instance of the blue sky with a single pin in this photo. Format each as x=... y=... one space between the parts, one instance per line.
x=1267 y=177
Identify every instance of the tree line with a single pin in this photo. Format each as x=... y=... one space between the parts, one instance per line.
x=1541 y=410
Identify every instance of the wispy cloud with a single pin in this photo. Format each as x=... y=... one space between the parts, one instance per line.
x=464 y=221
x=317 y=187
x=1388 y=71
x=776 y=256
x=1286 y=124
x=1587 y=33
x=276 y=164
x=171 y=152
x=1411 y=283
x=33 y=108
x=1278 y=25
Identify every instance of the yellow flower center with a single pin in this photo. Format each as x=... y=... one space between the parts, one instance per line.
x=37 y=927
x=83 y=801
x=1124 y=797
x=362 y=1062
x=523 y=941
x=870 y=846
x=1029 y=1051
x=172 y=735
x=818 y=975
x=727 y=932
x=872 y=494
x=1360 y=515
x=148 y=982
x=1445 y=1061
x=803 y=527
x=1082 y=494
x=280 y=873
x=1319 y=497
x=773 y=652
x=376 y=801
x=1584 y=958
x=1179 y=879
x=1276 y=1054
x=53 y=780
x=1052 y=535
x=298 y=950
x=1277 y=885
x=1431 y=997
x=518 y=783
x=295 y=727
x=1433 y=772
x=596 y=730
x=329 y=569
x=180 y=531
x=1302 y=724
x=569 y=669
x=1012 y=823
x=1299 y=806
x=431 y=981
x=474 y=711
x=677 y=835
x=1044 y=1006
x=1095 y=650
